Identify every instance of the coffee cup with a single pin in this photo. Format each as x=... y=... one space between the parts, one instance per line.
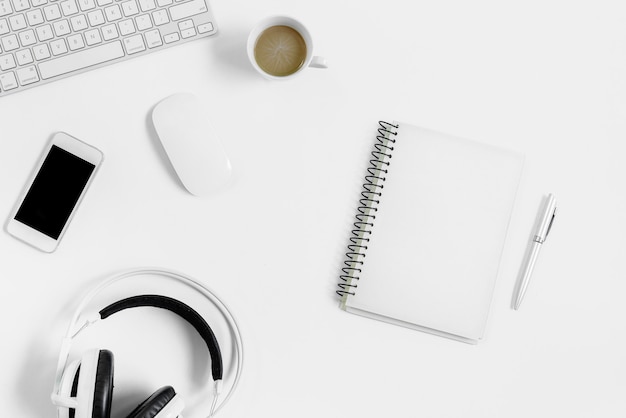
x=281 y=47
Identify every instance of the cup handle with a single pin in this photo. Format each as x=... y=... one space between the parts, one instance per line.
x=318 y=62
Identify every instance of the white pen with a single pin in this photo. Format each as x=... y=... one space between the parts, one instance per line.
x=536 y=244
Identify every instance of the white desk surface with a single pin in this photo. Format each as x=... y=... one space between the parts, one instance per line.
x=546 y=78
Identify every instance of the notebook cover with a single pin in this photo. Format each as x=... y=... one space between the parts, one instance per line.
x=438 y=235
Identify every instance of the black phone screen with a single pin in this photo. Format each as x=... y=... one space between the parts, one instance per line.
x=54 y=192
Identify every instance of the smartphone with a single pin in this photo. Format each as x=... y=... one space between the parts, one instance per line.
x=54 y=191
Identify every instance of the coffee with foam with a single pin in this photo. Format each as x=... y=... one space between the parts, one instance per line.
x=280 y=50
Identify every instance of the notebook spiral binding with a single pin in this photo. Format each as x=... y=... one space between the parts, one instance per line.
x=370 y=195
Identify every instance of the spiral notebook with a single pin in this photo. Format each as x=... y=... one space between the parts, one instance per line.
x=429 y=231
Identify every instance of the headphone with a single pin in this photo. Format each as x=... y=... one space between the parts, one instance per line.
x=84 y=388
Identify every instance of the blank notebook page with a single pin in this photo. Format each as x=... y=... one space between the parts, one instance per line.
x=438 y=235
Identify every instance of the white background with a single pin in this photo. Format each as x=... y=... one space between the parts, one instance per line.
x=546 y=78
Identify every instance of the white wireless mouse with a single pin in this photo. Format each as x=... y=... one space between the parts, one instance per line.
x=181 y=122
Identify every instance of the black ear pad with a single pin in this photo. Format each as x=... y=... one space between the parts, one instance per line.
x=184 y=311
x=154 y=404
x=103 y=391
x=74 y=391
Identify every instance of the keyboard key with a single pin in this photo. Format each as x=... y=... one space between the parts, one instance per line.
x=69 y=7
x=160 y=17
x=113 y=13
x=4 y=26
x=86 y=5
x=7 y=62
x=96 y=18
x=58 y=47
x=188 y=33
x=109 y=32
x=5 y=8
x=171 y=37
x=163 y=3
x=93 y=37
x=134 y=44
x=185 y=24
x=130 y=8
x=8 y=81
x=143 y=22
x=41 y=52
x=126 y=27
x=102 y=3
x=28 y=37
x=147 y=5
x=9 y=43
x=17 y=22
x=44 y=33
x=20 y=5
x=82 y=59
x=75 y=42
x=24 y=57
x=34 y=17
x=52 y=12
x=205 y=27
x=37 y=3
x=153 y=38
x=27 y=75
x=62 y=27
x=78 y=22
x=184 y=10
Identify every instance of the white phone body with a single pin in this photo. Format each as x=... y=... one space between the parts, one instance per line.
x=54 y=192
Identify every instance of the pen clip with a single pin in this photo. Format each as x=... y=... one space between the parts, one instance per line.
x=550 y=224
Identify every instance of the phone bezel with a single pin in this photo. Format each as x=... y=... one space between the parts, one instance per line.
x=30 y=235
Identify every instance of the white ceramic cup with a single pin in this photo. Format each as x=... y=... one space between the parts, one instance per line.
x=310 y=61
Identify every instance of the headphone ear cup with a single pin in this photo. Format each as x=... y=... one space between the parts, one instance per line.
x=69 y=387
x=159 y=400
x=90 y=382
x=103 y=388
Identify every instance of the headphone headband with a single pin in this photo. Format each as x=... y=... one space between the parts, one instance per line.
x=182 y=310
x=164 y=302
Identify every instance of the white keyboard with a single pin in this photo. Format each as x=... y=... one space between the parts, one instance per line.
x=45 y=40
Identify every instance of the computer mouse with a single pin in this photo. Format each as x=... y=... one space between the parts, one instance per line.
x=182 y=124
